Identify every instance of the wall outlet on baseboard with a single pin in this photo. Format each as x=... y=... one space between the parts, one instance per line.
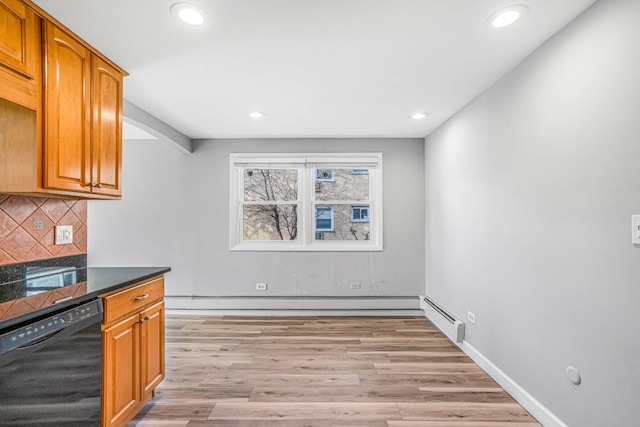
x=261 y=286
x=471 y=317
x=355 y=285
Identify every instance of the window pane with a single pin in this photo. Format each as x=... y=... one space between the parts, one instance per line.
x=360 y=213
x=342 y=225
x=359 y=171
x=324 y=218
x=324 y=174
x=270 y=222
x=345 y=185
x=270 y=184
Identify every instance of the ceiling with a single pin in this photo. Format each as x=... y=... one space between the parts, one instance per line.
x=317 y=68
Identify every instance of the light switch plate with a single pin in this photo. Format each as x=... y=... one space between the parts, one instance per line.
x=64 y=234
x=635 y=229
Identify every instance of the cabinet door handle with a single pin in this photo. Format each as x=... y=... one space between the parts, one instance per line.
x=144 y=319
x=98 y=185
x=141 y=297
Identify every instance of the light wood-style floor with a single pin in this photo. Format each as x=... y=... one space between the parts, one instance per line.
x=230 y=371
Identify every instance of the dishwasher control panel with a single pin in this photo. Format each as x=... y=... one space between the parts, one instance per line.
x=41 y=329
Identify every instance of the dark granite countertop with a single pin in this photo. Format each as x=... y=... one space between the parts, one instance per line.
x=99 y=280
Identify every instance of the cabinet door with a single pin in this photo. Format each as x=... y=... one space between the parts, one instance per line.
x=152 y=347
x=17 y=33
x=106 y=137
x=67 y=150
x=121 y=371
x=20 y=58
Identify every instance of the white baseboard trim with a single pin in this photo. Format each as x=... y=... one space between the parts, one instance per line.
x=528 y=402
x=296 y=304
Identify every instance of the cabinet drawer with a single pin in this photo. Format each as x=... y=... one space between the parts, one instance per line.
x=133 y=299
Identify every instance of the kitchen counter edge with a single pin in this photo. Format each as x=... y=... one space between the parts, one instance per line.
x=100 y=280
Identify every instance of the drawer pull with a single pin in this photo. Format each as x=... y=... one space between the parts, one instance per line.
x=144 y=319
x=141 y=297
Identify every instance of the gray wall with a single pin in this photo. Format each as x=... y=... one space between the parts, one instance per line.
x=529 y=191
x=175 y=212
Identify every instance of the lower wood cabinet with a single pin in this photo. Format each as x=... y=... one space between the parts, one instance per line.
x=121 y=394
x=152 y=348
x=133 y=350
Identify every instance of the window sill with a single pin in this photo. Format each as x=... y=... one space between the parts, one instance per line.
x=270 y=247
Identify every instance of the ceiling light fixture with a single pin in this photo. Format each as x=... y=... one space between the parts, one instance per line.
x=507 y=16
x=419 y=116
x=189 y=13
x=256 y=114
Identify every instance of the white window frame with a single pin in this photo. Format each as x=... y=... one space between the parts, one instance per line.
x=306 y=164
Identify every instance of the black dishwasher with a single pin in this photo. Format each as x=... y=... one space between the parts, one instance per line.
x=51 y=369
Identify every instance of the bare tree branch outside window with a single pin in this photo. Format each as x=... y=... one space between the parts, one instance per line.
x=271 y=220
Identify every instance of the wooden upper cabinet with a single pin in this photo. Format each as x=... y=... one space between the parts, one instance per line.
x=106 y=138
x=83 y=118
x=20 y=59
x=71 y=94
x=67 y=112
x=17 y=31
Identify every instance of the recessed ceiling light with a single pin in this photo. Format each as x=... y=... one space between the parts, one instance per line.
x=189 y=13
x=419 y=116
x=256 y=114
x=507 y=16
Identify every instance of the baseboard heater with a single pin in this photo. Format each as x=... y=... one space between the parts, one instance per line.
x=449 y=325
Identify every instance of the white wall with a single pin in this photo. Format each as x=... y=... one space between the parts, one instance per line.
x=175 y=212
x=530 y=190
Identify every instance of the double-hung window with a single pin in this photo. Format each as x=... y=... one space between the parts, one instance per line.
x=306 y=202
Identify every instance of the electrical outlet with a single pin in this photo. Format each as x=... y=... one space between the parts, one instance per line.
x=38 y=224
x=471 y=317
x=64 y=234
x=261 y=286
x=355 y=285
x=635 y=229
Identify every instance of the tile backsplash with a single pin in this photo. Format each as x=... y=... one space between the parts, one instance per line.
x=27 y=227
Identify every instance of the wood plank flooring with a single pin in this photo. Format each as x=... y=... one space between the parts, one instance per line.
x=229 y=371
